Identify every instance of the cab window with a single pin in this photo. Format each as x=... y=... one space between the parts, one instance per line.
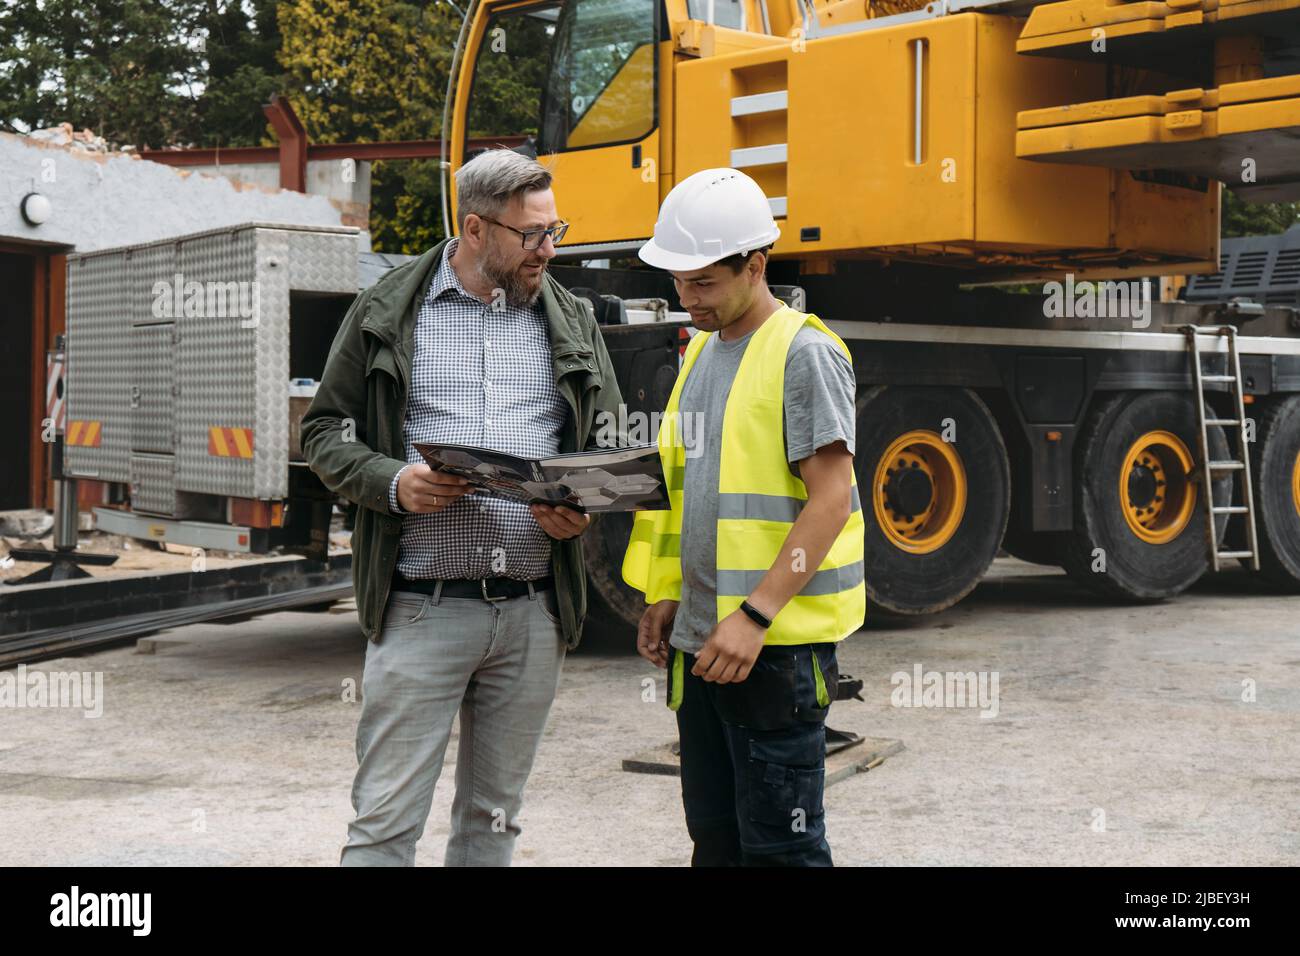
x=571 y=75
x=601 y=86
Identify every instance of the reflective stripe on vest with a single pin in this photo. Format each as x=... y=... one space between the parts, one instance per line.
x=758 y=501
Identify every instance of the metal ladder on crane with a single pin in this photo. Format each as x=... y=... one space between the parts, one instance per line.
x=1241 y=463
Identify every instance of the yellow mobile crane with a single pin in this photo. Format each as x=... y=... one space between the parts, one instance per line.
x=918 y=156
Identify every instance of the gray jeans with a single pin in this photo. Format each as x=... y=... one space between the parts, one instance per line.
x=496 y=664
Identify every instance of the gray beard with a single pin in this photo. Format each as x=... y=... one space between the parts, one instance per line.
x=516 y=289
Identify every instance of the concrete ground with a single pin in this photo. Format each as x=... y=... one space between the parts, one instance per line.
x=1121 y=737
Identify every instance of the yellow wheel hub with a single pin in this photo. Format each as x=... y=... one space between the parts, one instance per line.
x=1155 y=487
x=919 y=492
x=1295 y=483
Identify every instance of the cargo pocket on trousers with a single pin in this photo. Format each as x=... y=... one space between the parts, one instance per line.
x=763 y=701
x=781 y=791
x=821 y=683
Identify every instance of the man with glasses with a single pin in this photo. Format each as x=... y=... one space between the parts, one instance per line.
x=469 y=601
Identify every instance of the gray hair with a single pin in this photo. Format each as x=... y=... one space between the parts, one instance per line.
x=488 y=182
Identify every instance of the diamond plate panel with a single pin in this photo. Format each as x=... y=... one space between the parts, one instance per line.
x=153 y=406
x=275 y=255
x=322 y=262
x=152 y=292
x=216 y=361
x=98 y=353
x=201 y=324
x=153 y=489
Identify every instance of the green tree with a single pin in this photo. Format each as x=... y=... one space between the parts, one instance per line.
x=372 y=71
x=368 y=69
x=242 y=44
x=148 y=74
x=376 y=70
x=123 y=68
x=1265 y=219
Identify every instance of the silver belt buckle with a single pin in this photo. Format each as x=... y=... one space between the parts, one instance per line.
x=482 y=586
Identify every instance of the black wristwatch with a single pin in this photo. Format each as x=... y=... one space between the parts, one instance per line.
x=755 y=615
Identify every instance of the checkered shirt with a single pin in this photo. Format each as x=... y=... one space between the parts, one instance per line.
x=481 y=375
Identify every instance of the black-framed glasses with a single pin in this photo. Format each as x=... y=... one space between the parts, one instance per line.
x=533 y=238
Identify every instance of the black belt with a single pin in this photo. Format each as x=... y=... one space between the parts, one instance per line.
x=488 y=589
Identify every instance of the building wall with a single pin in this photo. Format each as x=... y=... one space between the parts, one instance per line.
x=101 y=200
x=346 y=184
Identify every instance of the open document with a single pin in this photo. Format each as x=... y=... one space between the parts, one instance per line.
x=608 y=479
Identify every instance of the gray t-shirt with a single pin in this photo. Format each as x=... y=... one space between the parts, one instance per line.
x=819 y=410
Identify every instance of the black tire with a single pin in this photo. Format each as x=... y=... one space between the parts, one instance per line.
x=1273 y=457
x=909 y=583
x=646 y=373
x=613 y=608
x=1136 y=570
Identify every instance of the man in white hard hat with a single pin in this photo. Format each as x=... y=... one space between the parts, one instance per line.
x=755 y=572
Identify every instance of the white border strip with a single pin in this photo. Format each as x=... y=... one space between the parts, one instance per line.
x=1058 y=338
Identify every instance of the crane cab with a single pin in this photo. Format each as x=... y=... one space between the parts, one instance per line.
x=576 y=84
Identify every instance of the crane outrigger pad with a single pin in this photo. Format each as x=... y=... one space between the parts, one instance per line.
x=1132 y=32
x=1246 y=134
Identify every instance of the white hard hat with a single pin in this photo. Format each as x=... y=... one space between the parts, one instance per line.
x=708 y=216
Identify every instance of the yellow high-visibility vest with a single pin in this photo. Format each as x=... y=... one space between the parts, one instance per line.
x=758 y=501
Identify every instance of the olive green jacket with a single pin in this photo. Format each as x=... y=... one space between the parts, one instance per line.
x=352 y=432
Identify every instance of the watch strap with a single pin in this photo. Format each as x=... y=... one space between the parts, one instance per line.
x=755 y=615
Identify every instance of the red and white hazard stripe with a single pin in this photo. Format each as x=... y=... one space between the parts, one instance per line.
x=55 y=407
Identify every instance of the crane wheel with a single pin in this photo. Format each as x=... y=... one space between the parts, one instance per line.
x=934 y=482
x=1139 y=521
x=1275 y=474
x=1157 y=486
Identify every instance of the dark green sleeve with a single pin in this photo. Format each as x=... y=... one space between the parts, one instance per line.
x=608 y=396
x=337 y=452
